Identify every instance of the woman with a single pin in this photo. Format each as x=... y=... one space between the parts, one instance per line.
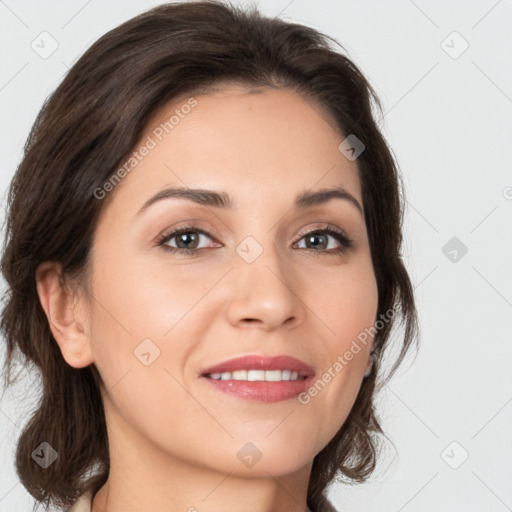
x=203 y=260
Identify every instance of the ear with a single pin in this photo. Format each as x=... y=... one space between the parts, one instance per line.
x=66 y=315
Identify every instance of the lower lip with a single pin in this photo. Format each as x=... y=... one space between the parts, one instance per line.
x=262 y=391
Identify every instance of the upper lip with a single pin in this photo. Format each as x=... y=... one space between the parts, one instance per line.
x=260 y=362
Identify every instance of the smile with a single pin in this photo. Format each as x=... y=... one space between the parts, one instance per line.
x=257 y=375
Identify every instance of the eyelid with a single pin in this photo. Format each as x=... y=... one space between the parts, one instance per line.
x=175 y=231
x=339 y=234
x=324 y=226
x=346 y=243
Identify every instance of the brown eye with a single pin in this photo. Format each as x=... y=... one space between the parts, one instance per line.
x=187 y=241
x=318 y=241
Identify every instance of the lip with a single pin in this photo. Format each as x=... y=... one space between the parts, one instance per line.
x=261 y=391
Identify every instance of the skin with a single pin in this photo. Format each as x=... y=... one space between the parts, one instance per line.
x=173 y=438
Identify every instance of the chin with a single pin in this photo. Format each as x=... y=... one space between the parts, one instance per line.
x=259 y=458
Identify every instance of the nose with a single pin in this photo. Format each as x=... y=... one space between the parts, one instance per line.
x=262 y=294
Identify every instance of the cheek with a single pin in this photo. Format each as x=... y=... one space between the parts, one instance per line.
x=144 y=299
x=145 y=325
x=348 y=303
x=147 y=313
x=348 y=311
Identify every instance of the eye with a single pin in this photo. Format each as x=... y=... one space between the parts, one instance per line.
x=319 y=239
x=188 y=239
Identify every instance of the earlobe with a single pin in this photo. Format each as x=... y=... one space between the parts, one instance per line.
x=65 y=317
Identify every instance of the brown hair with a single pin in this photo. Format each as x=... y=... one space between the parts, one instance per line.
x=84 y=133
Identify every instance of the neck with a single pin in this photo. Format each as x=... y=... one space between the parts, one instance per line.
x=142 y=477
x=226 y=493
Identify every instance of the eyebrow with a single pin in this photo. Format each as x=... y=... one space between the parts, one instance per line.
x=217 y=199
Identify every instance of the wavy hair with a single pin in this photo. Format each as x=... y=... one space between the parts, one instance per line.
x=84 y=132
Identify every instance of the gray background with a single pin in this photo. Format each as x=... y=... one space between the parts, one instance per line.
x=448 y=120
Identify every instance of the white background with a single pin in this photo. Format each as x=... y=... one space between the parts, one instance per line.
x=448 y=121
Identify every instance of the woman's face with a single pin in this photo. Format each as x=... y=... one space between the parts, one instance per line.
x=253 y=283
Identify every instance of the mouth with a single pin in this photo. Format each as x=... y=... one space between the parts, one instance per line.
x=261 y=378
x=258 y=375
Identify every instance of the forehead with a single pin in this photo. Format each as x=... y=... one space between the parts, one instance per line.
x=243 y=141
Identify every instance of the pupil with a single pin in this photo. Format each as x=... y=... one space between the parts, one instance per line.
x=313 y=237
x=185 y=238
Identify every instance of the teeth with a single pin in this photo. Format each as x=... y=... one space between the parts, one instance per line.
x=253 y=375
x=257 y=375
x=273 y=375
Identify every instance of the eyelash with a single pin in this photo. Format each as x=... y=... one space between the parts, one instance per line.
x=339 y=235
